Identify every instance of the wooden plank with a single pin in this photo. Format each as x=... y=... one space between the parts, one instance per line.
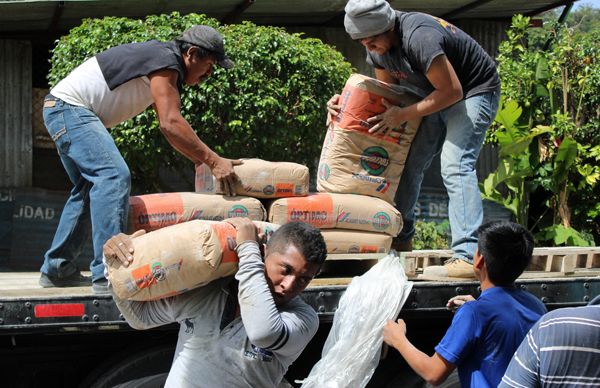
x=430 y=253
x=410 y=266
x=592 y=260
x=553 y=263
x=355 y=256
x=40 y=292
x=565 y=250
x=443 y=279
x=25 y=285
x=323 y=282
x=543 y=274
x=587 y=272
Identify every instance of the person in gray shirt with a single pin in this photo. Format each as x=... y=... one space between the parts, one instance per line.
x=237 y=338
x=561 y=350
x=461 y=90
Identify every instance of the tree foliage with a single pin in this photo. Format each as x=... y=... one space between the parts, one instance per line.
x=584 y=19
x=271 y=105
x=547 y=131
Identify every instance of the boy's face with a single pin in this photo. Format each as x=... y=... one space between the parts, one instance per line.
x=288 y=274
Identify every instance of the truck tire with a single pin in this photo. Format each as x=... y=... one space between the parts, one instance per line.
x=142 y=363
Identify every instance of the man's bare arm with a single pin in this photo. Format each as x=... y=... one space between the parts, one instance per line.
x=179 y=133
x=447 y=91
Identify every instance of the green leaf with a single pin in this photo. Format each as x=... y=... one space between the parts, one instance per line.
x=560 y=235
x=541 y=70
x=567 y=154
x=516 y=143
x=509 y=114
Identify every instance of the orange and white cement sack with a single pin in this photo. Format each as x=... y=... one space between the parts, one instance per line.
x=155 y=211
x=343 y=211
x=355 y=161
x=260 y=179
x=353 y=241
x=178 y=258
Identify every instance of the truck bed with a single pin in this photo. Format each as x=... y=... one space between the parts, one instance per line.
x=26 y=307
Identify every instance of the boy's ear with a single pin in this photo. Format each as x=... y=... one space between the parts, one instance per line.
x=478 y=260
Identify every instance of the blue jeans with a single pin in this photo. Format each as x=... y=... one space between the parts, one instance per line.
x=465 y=123
x=99 y=200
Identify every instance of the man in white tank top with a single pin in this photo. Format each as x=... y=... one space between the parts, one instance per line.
x=107 y=89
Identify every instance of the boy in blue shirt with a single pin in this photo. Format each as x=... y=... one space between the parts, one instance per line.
x=486 y=331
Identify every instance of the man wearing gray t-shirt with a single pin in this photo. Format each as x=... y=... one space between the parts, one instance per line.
x=237 y=338
x=460 y=83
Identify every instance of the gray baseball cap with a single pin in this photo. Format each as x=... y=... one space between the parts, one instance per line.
x=209 y=39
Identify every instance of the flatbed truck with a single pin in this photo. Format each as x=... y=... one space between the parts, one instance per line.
x=71 y=337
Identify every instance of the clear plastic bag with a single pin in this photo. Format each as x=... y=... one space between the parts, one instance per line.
x=352 y=349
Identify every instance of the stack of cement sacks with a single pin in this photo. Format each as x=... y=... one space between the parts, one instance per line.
x=358 y=177
x=187 y=246
x=349 y=223
x=358 y=173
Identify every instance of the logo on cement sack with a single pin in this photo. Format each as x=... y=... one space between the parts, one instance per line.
x=268 y=190
x=324 y=171
x=381 y=221
x=238 y=211
x=158 y=271
x=375 y=160
x=353 y=249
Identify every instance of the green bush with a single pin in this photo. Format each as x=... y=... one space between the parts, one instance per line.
x=271 y=105
x=547 y=132
x=431 y=235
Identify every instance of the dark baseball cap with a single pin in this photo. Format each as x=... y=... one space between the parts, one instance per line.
x=209 y=39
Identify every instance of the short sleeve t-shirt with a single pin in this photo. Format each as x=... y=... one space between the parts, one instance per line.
x=485 y=333
x=560 y=350
x=115 y=85
x=423 y=38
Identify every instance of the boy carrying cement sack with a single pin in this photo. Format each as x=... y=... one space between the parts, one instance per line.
x=178 y=258
x=260 y=179
x=343 y=211
x=356 y=161
x=155 y=211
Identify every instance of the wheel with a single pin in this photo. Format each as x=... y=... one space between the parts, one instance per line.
x=142 y=363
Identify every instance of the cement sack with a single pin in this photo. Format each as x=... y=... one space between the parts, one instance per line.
x=155 y=211
x=352 y=241
x=178 y=258
x=354 y=161
x=260 y=179
x=338 y=211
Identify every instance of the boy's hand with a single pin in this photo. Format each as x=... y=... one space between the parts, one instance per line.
x=456 y=301
x=120 y=247
x=246 y=230
x=393 y=332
